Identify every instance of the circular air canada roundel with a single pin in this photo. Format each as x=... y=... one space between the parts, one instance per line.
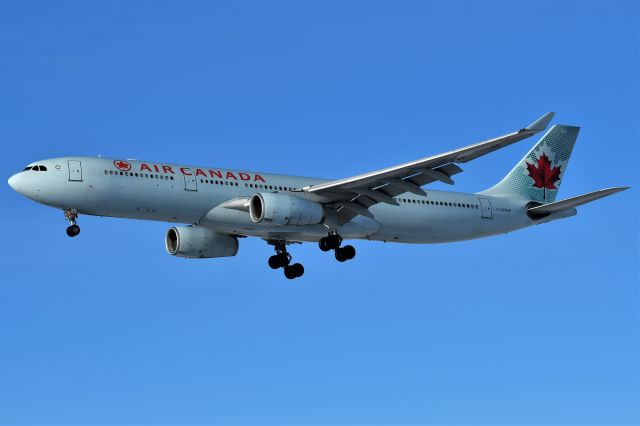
x=122 y=165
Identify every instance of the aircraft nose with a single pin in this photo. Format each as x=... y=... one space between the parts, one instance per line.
x=14 y=182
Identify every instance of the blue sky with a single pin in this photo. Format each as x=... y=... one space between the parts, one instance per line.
x=535 y=327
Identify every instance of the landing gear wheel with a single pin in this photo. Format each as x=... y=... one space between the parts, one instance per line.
x=349 y=252
x=341 y=256
x=333 y=241
x=279 y=260
x=73 y=230
x=293 y=271
x=298 y=269
x=345 y=253
x=323 y=244
x=274 y=261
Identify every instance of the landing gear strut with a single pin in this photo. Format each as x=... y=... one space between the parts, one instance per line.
x=282 y=259
x=72 y=216
x=332 y=242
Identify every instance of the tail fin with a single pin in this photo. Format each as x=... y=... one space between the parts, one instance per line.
x=538 y=175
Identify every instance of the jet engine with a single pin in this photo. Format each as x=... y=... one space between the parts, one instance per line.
x=199 y=242
x=284 y=209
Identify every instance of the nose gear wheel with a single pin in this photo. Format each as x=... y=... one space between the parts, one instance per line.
x=72 y=216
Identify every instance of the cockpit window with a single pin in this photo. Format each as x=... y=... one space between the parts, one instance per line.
x=35 y=168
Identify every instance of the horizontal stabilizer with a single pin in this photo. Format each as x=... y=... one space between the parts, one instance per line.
x=572 y=202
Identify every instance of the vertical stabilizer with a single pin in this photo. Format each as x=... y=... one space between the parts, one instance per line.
x=538 y=175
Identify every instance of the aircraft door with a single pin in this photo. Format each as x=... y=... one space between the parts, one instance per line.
x=190 y=181
x=485 y=205
x=75 y=170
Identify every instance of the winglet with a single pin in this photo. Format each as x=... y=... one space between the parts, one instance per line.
x=541 y=123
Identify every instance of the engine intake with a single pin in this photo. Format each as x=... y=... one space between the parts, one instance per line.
x=199 y=242
x=284 y=209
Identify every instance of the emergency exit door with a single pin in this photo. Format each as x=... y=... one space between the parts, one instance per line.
x=75 y=170
x=190 y=182
x=485 y=205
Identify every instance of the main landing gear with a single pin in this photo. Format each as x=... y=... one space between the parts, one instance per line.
x=332 y=242
x=72 y=216
x=282 y=259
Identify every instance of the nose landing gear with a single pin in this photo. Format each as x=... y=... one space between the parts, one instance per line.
x=332 y=242
x=282 y=259
x=72 y=216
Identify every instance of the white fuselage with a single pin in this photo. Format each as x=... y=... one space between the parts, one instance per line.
x=193 y=195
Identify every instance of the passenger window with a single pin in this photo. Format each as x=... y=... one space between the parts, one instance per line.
x=110 y=172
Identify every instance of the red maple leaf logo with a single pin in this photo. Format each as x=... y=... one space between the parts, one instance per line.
x=122 y=165
x=544 y=176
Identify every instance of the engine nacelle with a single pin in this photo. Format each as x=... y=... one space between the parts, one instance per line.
x=284 y=209
x=199 y=242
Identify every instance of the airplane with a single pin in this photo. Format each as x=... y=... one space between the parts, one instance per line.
x=220 y=206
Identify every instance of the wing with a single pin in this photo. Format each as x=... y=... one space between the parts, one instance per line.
x=354 y=195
